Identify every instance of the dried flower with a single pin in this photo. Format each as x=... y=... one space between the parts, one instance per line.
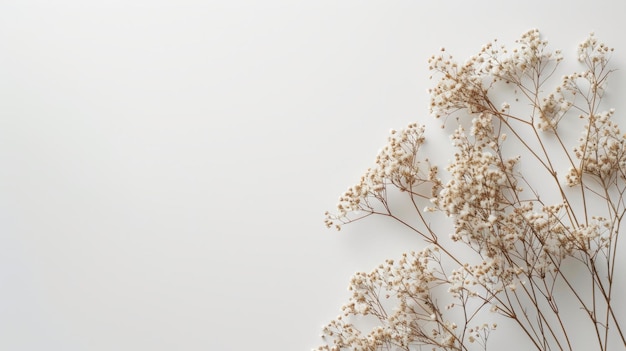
x=521 y=241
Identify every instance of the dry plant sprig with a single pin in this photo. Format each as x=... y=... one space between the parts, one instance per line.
x=535 y=258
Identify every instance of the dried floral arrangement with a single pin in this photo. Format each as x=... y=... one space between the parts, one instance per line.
x=537 y=211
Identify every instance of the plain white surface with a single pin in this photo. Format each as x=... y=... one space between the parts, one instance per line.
x=165 y=165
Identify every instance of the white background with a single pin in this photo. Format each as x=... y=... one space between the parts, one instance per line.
x=165 y=165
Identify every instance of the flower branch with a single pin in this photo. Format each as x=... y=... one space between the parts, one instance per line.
x=532 y=256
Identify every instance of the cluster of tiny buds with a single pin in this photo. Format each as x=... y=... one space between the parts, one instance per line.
x=396 y=164
x=552 y=109
x=593 y=51
x=601 y=150
x=465 y=86
x=415 y=318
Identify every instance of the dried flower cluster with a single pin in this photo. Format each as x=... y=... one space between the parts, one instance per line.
x=531 y=253
x=397 y=165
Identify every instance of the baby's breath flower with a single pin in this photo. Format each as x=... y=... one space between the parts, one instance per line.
x=520 y=241
x=398 y=164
